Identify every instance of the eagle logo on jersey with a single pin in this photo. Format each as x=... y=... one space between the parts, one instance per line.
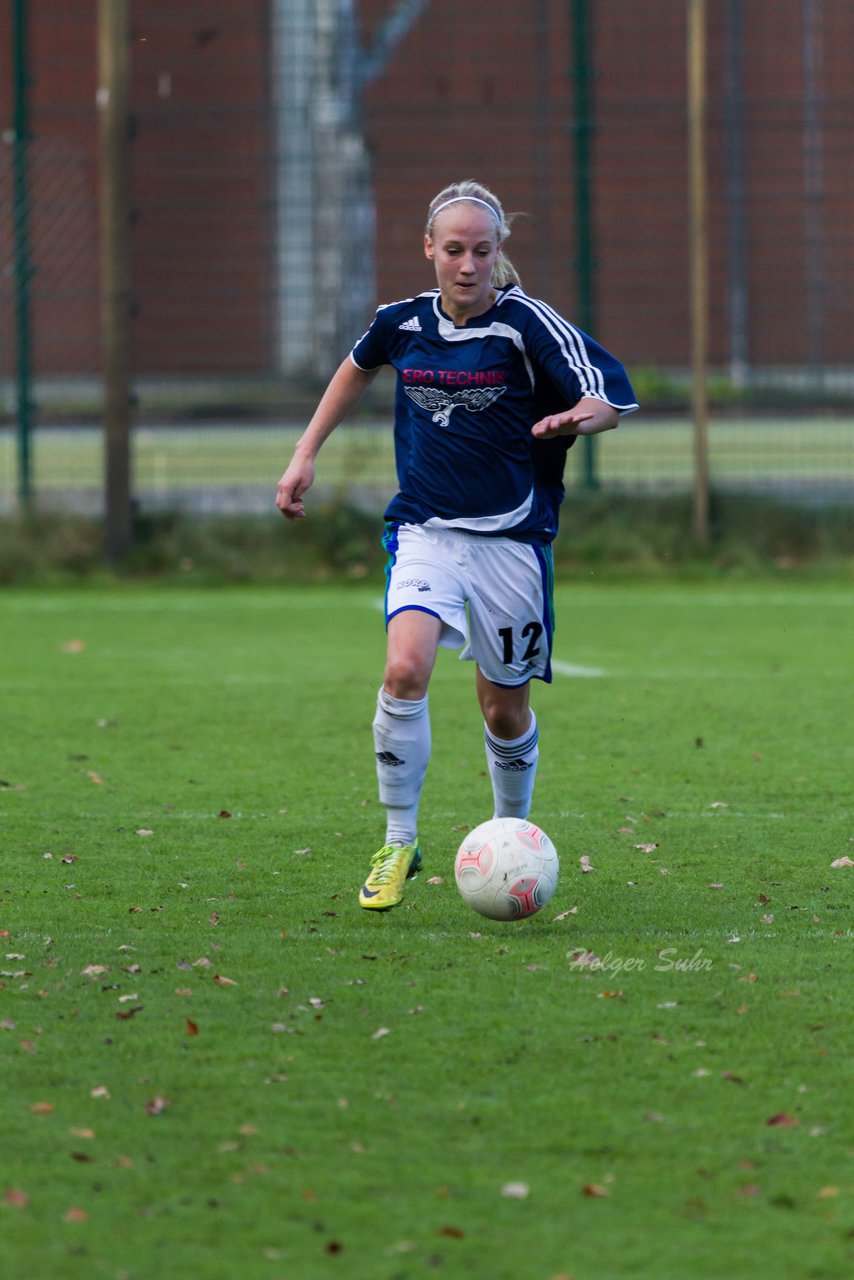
x=441 y=404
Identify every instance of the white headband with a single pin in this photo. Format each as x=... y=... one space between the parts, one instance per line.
x=473 y=200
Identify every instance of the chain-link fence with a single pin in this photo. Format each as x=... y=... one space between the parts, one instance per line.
x=282 y=156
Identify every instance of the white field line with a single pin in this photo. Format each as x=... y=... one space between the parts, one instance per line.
x=572 y=669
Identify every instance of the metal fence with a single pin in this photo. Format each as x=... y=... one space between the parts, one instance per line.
x=282 y=154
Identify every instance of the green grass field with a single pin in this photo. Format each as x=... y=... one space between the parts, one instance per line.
x=216 y=1066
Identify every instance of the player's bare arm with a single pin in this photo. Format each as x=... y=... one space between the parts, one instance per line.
x=587 y=418
x=345 y=389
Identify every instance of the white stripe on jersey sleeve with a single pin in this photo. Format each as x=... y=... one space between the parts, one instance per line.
x=571 y=343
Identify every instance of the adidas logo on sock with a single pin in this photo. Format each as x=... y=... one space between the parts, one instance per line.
x=413 y=325
x=388 y=757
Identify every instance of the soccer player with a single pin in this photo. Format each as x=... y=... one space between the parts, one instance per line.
x=493 y=387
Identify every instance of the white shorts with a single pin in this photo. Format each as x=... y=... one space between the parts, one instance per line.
x=507 y=586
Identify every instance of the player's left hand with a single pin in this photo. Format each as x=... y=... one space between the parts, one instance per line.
x=560 y=424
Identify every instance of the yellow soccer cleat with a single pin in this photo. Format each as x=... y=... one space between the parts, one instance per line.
x=391 y=866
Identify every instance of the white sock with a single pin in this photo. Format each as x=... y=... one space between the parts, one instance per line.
x=512 y=770
x=402 y=747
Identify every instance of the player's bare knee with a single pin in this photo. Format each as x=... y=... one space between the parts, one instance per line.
x=504 y=721
x=406 y=676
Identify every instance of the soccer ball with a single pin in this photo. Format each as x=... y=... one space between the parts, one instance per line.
x=506 y=868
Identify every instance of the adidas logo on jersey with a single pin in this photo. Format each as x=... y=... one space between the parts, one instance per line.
x=413 y=325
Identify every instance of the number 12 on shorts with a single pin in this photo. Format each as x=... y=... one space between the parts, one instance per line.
x=530 y=632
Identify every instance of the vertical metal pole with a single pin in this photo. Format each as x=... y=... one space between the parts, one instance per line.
x=814 y=190
x=699 y=273
x=113 y=99
x=736 y=190
x=583 y=128
x=23 y=267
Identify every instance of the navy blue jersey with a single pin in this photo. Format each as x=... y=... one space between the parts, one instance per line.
x=466 y=400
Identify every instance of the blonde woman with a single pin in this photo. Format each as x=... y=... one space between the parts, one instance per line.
x=493 y=387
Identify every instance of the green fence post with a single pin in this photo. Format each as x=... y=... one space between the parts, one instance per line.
x=23 y=268
x=583 y=128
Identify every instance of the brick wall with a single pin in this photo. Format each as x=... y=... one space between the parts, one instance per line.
x=473 y=90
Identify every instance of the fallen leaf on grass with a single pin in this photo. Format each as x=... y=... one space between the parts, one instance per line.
x=94 y=970
x=192 y=1027
x=515 y=1190
x=436 y=880
x=842 y=862
x=221 y=980
x=94 y=777
x=16 y=1198
x=585 y=864
x=75 y=1214
x=646 y=848
x=42 y=1108
x=100 y=1091
x=573 y=911
x=156 y=1106
x=594 y=1190
x=144 y=831
x=782 y=1121
x=124 y=1015
x=380 y=1032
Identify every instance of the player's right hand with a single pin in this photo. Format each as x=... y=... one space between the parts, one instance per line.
x=292 y=486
